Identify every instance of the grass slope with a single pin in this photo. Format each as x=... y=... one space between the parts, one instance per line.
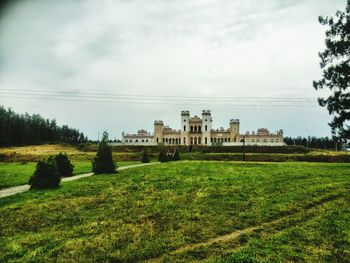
x=297 y=210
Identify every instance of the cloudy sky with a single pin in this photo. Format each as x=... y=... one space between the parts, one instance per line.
x=118 y=65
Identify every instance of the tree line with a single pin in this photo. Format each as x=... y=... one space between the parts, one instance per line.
x=313 y=142
x=25 y=129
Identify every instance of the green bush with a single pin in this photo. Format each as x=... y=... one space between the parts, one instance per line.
x=162 y=156
x=103 y=161
x=64 y=166
x=145 y=158
x=46 y=175
x=176 y=156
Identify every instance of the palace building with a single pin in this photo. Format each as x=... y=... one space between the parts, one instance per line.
x=198 y=131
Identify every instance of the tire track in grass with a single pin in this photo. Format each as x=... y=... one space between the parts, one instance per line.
x=309 y=208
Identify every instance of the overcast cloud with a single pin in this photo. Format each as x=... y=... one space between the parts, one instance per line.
x=237 y=48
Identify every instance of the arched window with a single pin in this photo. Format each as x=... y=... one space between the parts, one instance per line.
x=206 y=127
x=195 y=140
x=173 y=141
x=184 y=127
x=206 y=140
x=272 y=140
x=184 y=140
x=191 y=128
x=147 y=140
x=199 y=128
x=157 y=139
x=191 y=140
x=228 y=139
x=277 y=140
x=166 y=140
x=143 y=140
x=195 y=128
x=126 y=140
x=214 y=139
x=136 y=140
x=163 y=140
x=199 y=140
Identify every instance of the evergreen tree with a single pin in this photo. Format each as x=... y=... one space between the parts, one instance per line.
x=145 y=158
x=64 y=166
x=176 y=156
x=46 y=175
x=103 y=161
x=335 y=63
x=162 y=156
x=25 y=129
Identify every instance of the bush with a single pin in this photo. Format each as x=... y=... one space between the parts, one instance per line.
x=162 y=156
x=176 y=156
x=103 y=161
x=145 y=158
x=46 y=175
x=64 y=166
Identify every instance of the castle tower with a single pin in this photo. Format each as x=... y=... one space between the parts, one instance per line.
x=206 y=127
x=158 y=131
x=234 y=130
x=185 y=127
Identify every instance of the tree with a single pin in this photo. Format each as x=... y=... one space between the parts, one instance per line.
x=46 y=175
x=335 y=63
x=162 y=156
x=176 y=156
x=145 y=158
x=103 y=161
x=64 y=166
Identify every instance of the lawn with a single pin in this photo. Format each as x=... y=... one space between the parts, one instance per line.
x=15 y=173
x=172 y=212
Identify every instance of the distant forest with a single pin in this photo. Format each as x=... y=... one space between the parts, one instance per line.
x=312 y=142
x=24 y=129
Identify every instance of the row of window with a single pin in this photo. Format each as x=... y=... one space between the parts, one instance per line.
x=136 y=140
x=265 y=140
x=220 y=140
x=196 y=128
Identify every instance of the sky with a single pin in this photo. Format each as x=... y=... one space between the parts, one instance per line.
x=118 y=65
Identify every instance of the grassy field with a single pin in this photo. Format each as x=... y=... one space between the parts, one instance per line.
x=186 y=211
x=14 y=173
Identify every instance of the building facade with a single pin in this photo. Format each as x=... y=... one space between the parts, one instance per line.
x=197 y=130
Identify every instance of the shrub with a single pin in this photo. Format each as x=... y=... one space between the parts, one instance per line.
x=46 y=175
x=176 y=156
x=162 y=156
x=103 y=161
x=64 y=166
x=145 y=158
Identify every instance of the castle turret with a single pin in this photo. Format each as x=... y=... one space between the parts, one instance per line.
x=158 y=131
x=234 y=129
x=185 y=127
x=206 y=127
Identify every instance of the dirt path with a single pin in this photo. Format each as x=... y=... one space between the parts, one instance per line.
x=23 y=188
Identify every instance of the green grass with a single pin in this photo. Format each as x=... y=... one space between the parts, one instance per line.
x=149 y=212
x=13 y=174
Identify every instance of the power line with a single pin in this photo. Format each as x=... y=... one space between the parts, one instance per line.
x=157 y=103
x=154 y=97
